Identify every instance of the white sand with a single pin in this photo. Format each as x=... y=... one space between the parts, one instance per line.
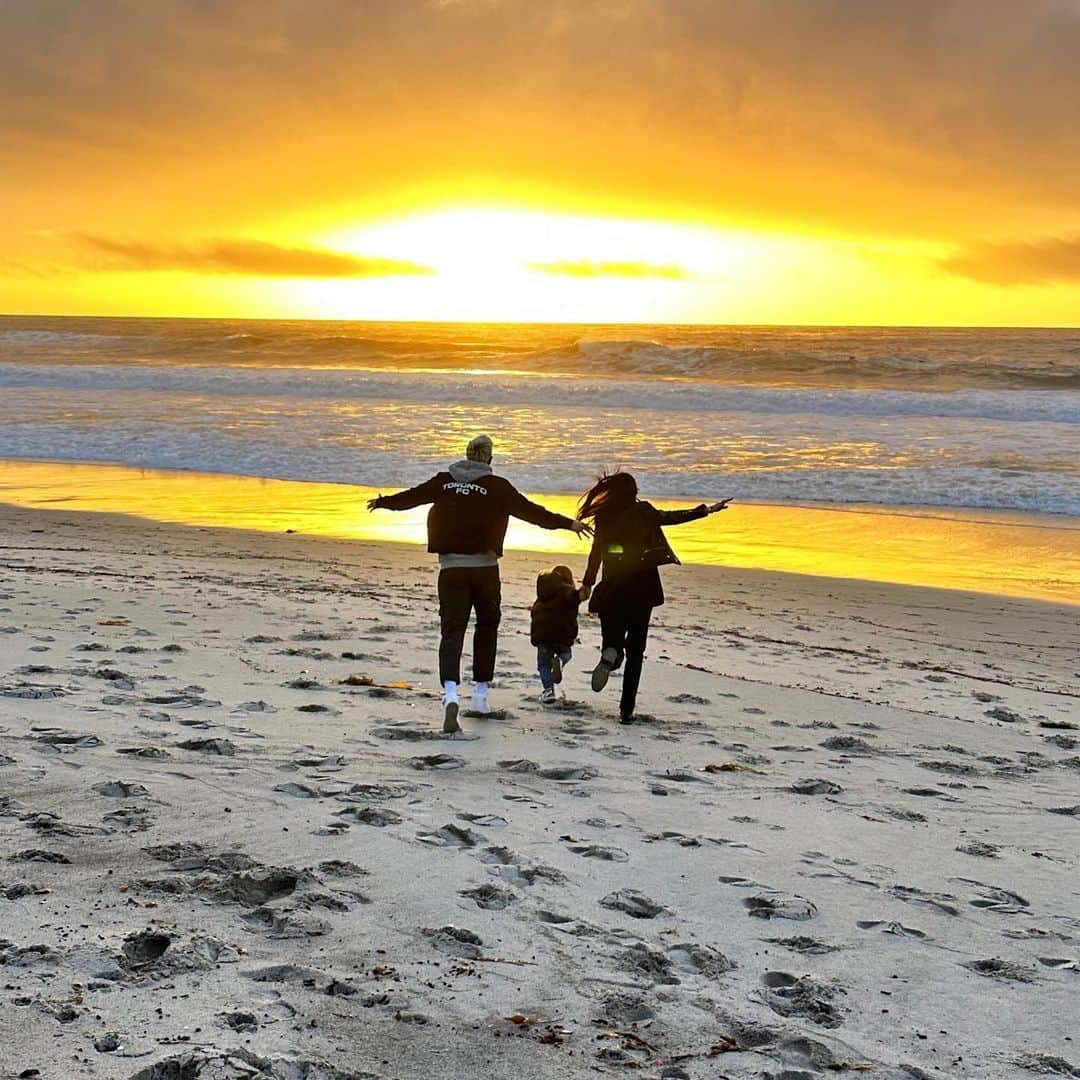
x=315 y=865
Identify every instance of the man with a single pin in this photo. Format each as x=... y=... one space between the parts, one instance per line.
x=470 y=509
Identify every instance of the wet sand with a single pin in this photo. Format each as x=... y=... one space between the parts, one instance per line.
x=1001 y=552
x=843 y=836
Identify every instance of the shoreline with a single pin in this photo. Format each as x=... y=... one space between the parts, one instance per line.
x=1003 y=553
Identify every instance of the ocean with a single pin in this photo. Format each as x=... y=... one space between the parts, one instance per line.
x=962 y=418
x=958 y=418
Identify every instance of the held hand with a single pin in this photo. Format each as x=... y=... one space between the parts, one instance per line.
x=716 y=507
x=581 y=528
x=585 y=592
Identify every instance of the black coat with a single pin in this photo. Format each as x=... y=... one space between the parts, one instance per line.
x=630 y=546
x=469 y=517
x=555 y=613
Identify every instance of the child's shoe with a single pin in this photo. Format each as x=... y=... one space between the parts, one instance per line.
x=548 y=696
x=556 y=669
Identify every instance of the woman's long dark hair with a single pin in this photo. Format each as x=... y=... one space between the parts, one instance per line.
x=611 y=494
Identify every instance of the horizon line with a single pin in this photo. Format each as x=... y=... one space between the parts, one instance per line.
x=542 y=322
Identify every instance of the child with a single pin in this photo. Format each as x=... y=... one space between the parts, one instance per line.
x=554 y=626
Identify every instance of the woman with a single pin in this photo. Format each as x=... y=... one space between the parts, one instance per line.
x=630 y=544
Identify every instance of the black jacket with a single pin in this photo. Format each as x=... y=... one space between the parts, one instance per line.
x=630 y=546
x=469 y=513
x=555 y=612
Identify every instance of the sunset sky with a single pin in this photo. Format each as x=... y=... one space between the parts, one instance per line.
x=763 y=161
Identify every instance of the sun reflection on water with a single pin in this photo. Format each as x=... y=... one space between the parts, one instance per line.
x=1011 y=554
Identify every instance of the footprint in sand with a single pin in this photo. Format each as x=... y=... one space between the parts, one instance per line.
x=455 y=941
x=850 y=744
x=491 y=821
x=807 y=997
x=929 y=793
x=635 y=904
x=507 y=865
x=436 y=761
x=680 y=776
x=56 y=741
x=299 y=791
x=333 y=763
x=991 y=898
x=133 y=818
x=555 y=772
x=370 y=815
x=242 y=1022
x=816 y=787
x=38 y=855
x=120 y=789
x=1059 y=963
x=622 y=1010
x=221 y=747
x=281 y=973
x=943 y=902
x=566 y=924
x=780 y=906
x=979 y=849
x=672 y=837
x=700 y=959
x=378 y=792
x=1005 y=970
x=895 y=928
x=285 y=925
x=491 y=897
x=649 y=964
x=451 y=836
x=405 y=734
x=808 y=946
x=596 y=851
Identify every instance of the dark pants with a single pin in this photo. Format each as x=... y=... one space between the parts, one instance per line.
x=627 y=633
x=461 y=590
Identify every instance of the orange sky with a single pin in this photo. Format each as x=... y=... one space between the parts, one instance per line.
x=834 y=161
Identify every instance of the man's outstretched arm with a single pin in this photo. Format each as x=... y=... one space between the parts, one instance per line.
x=535 y=514
x=406 y=500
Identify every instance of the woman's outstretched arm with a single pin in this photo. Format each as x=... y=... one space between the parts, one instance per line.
x=680 y=517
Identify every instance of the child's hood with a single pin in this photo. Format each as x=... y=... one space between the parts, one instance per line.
x=550 y=584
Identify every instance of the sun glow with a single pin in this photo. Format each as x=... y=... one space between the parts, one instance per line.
x=513 y=264
x=476 y=261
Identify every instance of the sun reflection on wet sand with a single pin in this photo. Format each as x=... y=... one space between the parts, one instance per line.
x=1005 y=553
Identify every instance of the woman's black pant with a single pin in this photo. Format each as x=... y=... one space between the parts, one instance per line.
x=462 y=590
x=626 y=633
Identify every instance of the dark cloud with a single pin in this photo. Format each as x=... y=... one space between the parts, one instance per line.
x=252 y=257
x=585 y=268
x=1034 y=262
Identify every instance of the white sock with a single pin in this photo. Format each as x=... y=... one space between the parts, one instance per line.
x=449 y=692
x=480 y=689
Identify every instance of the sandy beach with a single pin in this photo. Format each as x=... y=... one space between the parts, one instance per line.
x=842 y=839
